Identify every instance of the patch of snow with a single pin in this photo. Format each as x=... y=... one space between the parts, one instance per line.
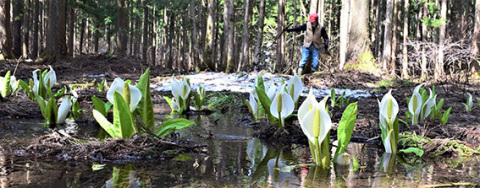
x=235 y=82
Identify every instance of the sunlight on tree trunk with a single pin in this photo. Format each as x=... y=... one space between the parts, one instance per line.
x=405 y=40
x=229 y=35
x=387 y=47
x=439 y=65
x=259 y=41
x=281 y=40
x=343 y=33
x=210 y=36
x=244 y=57
x=476 y=32
x=424 y=40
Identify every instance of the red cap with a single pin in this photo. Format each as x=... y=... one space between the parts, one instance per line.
x=313 y=17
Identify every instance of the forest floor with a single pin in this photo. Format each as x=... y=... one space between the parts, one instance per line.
x=461 y=126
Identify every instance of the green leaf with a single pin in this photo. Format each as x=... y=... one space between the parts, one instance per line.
x=145 y=106
x=403 y=122
x=260 y=82
x=122 y=118
x=169 y=102
x=445 y=116
x=52 y=112
x=104 y=123
x=175 y=124
x=99 y=105
x=5 y=90
x=356 y=166
x=197 y=101
x=75 y=109
x=332 y=98
x=345 y=129
x=59 y=93
x=417 y=151
x=43 y=108
x=266 y=102
x=25 y=87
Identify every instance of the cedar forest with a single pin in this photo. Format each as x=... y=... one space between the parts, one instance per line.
x=400 y=36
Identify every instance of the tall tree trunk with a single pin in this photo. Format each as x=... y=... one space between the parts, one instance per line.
x=145 y=31
x=138 y=33
x=131 y=28
x=229 y=34
x=294 y=43
x=210 y=34
x=62 y=27
x=378 y=30
x=96 y=37
x=244 y=58
x=476 y=31
x=395 y=31
x=121 y=29
x=169 y=64
x=321 y=11
x=8 y=45
x=424 y=39
x=281 y=39
x=358 y=39
x=258 y=44
x=195 y=50
x=35 y=29
x=387 y=47
x=343 y=33
x=313 y=6
x=439 y=65
x=155 y=37
x=71 y=32
x=405 y=40
x=82 y=35
x=26 y=28
x=52 y=29
x=17 y=27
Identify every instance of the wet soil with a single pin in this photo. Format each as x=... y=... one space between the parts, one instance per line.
x=461 y=125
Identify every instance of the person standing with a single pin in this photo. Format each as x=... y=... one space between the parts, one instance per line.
x=315 y=34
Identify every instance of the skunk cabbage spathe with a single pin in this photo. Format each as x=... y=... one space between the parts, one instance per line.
x=118 y=85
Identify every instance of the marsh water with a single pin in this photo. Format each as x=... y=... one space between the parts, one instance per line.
x=231 y=158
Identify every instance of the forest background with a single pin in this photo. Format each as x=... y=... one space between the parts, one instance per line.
x=426 y=39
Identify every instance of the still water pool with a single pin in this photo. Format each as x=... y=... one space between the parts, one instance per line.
x=231 y=158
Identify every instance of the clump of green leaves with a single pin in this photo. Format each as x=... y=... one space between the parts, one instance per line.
x=340 y=101
x=132 y=110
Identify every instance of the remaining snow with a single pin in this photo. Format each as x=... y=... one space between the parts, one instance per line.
x=244 y=83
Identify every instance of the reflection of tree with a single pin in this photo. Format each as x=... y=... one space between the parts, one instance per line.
x=3 y=170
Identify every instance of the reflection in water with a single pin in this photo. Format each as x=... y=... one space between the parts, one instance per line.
x=123 y=177
x=231 y=159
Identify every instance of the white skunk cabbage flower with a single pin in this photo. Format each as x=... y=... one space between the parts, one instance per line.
x=180 y=90
x=252 y=104
x=343 y=159
x=14 y=83
x=63 y=110
x=135 y=94
x=427 y=106
x=272 y=90
x=306 y=106
x=389 y=148
x=282 y=105
x=415 y=105
x=35 y=82
x=295 y=87
x=316 y=123
x=388 y=111
x=469 y=104
x=52 y=76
